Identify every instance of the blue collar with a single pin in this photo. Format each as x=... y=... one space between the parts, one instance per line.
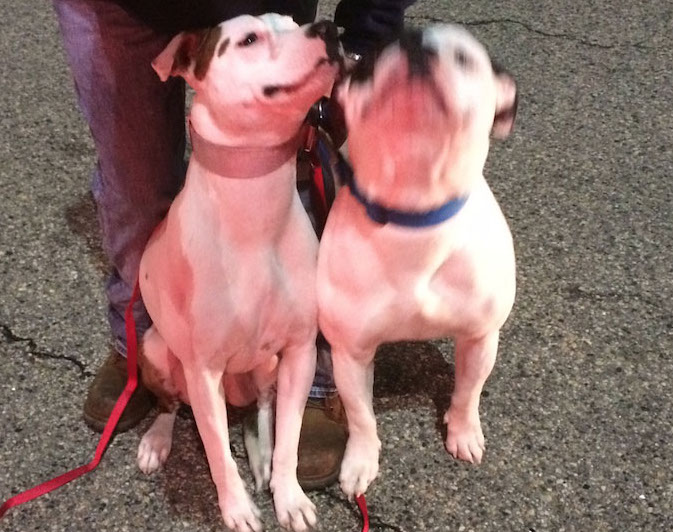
x=382 y=215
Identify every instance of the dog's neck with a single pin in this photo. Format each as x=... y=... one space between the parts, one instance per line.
x=415 y=191
x=250 y=213
x=416 y=171
x=239 y=162
x=228 y=129
x=251 y=204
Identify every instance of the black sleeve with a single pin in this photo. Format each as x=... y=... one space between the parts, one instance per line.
x=173 y=16
x=369 y=24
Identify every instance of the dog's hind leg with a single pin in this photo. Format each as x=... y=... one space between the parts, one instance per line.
x=259 y=426
x=156 y=361
x=156 y=443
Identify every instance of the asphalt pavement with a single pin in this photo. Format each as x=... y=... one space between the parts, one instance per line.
x=577 y=413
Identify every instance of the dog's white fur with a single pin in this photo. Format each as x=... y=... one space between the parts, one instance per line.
x=229 y=276
x=416 y=142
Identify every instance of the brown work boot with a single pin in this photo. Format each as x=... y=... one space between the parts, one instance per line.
x=104 y=391
x=322 y=442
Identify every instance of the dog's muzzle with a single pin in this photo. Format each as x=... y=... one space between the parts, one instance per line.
x=328 y=32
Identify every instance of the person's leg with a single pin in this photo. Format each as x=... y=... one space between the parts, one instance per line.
x=323 y=433
x=137 y=123
x=323 y=382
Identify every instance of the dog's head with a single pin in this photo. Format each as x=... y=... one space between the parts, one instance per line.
x=252 y=72
x=425 y=107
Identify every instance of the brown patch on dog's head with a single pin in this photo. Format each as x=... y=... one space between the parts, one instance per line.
x=223 y=47
x=184 y=54
x=205 y=51
x=189 y=49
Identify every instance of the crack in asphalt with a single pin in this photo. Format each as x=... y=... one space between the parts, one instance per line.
x=377 y=524
x=575 y=292
x=12 y=338
x=573 y=38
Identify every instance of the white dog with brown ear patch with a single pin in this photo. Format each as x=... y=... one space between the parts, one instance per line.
x=229 y=276
x=416 y=246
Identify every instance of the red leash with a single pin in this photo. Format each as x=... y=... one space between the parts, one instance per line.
x=362 y=504
x=131 y=383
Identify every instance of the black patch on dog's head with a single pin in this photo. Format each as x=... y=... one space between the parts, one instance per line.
x=411 y=43
x=418 y=55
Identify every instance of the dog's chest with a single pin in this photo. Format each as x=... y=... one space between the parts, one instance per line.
x=207 y=294
x=457 y=298
x=405 y=285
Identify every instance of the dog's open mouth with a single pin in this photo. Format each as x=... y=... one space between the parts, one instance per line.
x=272 y=90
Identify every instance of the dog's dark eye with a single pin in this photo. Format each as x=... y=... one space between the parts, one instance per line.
x=249 y=39
x=462 y=59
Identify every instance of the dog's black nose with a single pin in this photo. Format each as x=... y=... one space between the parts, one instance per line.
x=418 y=54
x=324 y=29
x=328 y=32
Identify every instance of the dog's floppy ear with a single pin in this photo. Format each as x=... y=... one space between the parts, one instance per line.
x=506 y=103
x=189 y=52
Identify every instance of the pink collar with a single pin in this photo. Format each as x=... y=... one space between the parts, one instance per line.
x=242 y=162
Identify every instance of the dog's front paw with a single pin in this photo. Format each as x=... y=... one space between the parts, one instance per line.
x=239 y=512
x=294 y=509
x=155 y=445
x=464 y=438
x=360 y=465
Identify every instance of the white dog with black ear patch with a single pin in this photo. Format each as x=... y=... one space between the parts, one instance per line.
x=416 y=247
x=229 y=276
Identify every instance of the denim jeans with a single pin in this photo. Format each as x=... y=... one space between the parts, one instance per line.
x=138 y=126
